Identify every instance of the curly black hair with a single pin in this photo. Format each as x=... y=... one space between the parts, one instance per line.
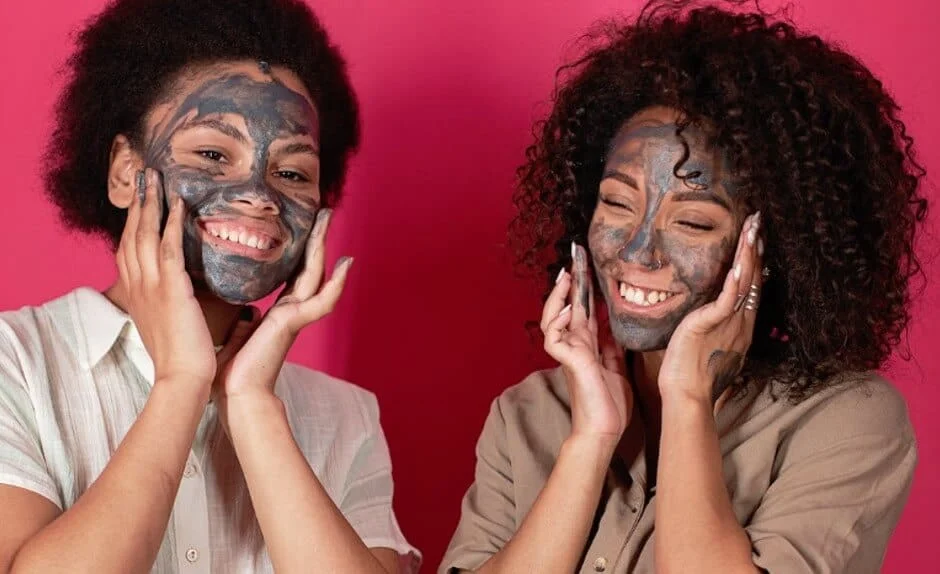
x=127 y=56
x=815 y=142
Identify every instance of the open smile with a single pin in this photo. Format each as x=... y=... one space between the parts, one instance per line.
x=247 y=238
x=643 y=301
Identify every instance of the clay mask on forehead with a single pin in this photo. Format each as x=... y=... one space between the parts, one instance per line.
x=657 y=239
x=237 y=252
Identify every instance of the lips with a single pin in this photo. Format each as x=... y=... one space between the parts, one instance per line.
x=642 y=300
x=253 y=238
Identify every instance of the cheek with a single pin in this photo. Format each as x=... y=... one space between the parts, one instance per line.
x=698 y=265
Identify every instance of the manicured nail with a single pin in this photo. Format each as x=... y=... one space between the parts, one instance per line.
x=737 y=271
x=565 y=310
x=752 y=235
x=561 y=274
x=344 y=261
x=141 y=182
x=574 y=250
x=760 y=247
x=757 y=220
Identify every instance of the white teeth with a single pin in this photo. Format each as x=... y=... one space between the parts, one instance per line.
x=638 y=296
x=241 y=237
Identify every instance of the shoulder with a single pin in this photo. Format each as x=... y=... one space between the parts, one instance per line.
x=533 y=415
x=315 y=396
x=857 y=405
x=27 y=331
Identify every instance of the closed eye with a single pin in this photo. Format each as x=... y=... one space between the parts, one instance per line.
x=615 y=204
x=696 y=226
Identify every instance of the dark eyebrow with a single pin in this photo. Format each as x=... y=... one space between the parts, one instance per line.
x=622 y=178
x=219 y=126
x=700 y=195
x=298 y=148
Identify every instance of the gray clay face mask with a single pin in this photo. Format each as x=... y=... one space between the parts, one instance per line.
x=671 y=238
x=247 y=222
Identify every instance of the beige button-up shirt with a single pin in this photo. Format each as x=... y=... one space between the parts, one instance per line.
x=818 y=486
x=74 y=376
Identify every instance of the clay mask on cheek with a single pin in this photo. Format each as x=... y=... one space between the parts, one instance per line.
x=695 y=265
x=270 y=112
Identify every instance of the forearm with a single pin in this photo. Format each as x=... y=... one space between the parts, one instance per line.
x=553 y=534
x=696 y=528
x=118 y=524
x=302 y=527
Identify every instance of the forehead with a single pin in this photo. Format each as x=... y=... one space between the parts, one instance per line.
x=276 y=101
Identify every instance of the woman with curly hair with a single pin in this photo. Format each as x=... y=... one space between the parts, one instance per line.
x=745 y=198
x=155 y=426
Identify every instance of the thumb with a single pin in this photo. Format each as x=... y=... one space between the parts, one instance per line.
x=248 y=321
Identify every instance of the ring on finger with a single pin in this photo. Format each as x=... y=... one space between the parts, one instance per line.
x=753 y=298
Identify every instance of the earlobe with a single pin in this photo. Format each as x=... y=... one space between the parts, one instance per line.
x=122 y=172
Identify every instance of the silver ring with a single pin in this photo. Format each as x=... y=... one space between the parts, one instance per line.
x=765 y=272
x=753 y=297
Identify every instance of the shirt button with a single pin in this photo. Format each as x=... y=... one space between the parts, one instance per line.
x=192 y=555
x=600 y=564
x=189 y=471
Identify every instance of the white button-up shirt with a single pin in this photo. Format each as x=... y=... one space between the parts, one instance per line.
x=74 y=376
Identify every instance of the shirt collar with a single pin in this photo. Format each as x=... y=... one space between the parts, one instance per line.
x=101 y=322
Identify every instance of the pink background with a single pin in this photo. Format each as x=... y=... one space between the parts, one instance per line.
x=433 y=317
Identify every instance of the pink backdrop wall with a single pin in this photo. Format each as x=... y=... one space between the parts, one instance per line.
x=432 y=320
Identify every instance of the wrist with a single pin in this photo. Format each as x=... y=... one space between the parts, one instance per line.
x=185 y=388
x=590 y=449
x=244 y=408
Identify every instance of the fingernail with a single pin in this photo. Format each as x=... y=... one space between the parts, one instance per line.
x=574 y=250
x=760 y=247
x=737 y=271
x=757 y=220
x=752 y=236
x=565 y=310
x=345 y=261
x=561 y=274
x=141 y=182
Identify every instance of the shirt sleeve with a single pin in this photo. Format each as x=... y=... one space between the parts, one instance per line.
x=367 y=498
x=21 y=457
x=487 y=516
x=839 y=492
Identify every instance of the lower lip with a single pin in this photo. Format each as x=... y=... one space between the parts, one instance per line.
x=655 y=310
x=238 y=249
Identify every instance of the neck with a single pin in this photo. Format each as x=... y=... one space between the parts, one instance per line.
x=219 y=315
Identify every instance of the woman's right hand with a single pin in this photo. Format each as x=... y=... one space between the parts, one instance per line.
x=601 y=396
x=159 y=292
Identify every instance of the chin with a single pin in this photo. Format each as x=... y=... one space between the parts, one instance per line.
x=632 y=336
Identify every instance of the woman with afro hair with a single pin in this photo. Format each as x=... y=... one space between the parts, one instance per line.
x=744 y=198
x=155 y=427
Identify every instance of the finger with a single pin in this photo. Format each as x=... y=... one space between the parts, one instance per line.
x=128 y=247
x=325 y=301
x=724 y=306
x=171 y=246
x=580 y=293
x=554 y=344
x=612 y=355
x=148 y=229
x=310 y=276
x=556 y=299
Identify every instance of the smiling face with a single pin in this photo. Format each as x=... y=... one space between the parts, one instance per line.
x=661 y=243
x=239 y=144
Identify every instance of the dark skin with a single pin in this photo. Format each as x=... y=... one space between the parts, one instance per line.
x=238 y=141
x=657 y=230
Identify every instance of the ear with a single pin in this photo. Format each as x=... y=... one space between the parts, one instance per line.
x=122 y=172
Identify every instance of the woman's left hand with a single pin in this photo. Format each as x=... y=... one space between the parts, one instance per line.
x=255 y=350
x=707 y=349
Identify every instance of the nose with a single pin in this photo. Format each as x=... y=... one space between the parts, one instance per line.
x=258 y=199
x=642 y=249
